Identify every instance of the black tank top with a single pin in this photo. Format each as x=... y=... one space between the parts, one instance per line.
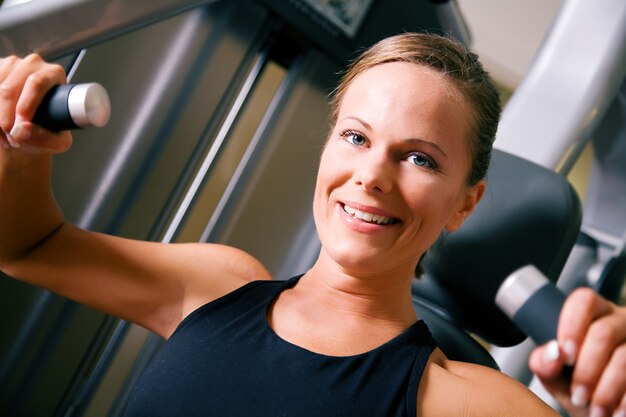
x=225 y=360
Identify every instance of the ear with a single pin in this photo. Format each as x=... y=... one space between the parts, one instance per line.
x=472 y=197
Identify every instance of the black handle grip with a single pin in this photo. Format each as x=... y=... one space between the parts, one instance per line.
x=532 y=302
x=74 y=106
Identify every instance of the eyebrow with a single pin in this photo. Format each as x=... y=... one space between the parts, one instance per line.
x=409 y=140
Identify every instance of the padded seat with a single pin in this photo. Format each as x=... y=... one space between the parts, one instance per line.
x=528 y=215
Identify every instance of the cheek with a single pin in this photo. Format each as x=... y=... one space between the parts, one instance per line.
x=318 y=200
x=323 y=184
x=332 y=170
x=432 y=202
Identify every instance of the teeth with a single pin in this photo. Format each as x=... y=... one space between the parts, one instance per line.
x=365 y=216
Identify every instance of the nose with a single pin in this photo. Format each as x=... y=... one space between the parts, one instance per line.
x=374 y=172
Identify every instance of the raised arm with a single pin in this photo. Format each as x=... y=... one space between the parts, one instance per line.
x=28 y=212
x=152 y=284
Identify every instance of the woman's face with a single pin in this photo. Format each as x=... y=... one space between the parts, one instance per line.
x=393 y=172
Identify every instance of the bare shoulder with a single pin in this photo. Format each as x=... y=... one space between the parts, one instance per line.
x=215 y=270
x=451 y=388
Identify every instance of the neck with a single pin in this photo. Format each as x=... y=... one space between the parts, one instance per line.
x=384 y=296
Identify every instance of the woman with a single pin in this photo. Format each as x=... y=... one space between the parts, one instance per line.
x=412 y=127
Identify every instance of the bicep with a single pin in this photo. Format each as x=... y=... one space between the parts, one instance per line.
x=152 y=284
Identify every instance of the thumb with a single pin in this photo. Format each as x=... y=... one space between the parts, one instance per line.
x=548 y=363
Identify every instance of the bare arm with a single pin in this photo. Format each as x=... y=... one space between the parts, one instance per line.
x=25 y=176
x=450 y=388
x=152 y=284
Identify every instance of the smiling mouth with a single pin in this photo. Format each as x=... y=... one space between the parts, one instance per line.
x=368 y=217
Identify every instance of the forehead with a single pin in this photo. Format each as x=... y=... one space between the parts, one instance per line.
x=407 y=96
x=412 y=85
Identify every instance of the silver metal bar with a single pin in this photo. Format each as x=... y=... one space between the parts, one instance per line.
x=200 y=177
x=55 y=28
x=79 y=399
x=571 y=84
x=168 y=71
x=242 y=173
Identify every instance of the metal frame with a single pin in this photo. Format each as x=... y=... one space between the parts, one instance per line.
x=585 y=48
x=71 y=25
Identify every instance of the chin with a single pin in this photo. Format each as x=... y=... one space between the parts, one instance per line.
x=359 y=261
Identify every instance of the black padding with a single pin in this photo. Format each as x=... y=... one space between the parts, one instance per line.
x=528 y=215
x=453 y=341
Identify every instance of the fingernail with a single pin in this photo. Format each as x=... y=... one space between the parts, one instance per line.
x=551 y=353
x=12 y=142
x=19 y=132
x=580 y=396
x=569 y=348
x=620 y=413
x=597 y=411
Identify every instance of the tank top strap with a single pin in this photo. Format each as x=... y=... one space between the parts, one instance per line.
x=426 y=346
x=254 y=294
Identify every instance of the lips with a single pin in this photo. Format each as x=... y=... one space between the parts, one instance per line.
x=367 y=216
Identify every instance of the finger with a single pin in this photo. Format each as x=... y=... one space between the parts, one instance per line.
x=42 y=141
x=603 y=337
x=611 y=388
x=547 y=361
x=601 y=362
x=8 y=93
x=621 y=409
x=23 y=88
x=6 y=66
x=36 y=85
x=580 y=309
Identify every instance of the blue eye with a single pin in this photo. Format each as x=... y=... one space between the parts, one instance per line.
x=354 y=138
x=421 y=160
